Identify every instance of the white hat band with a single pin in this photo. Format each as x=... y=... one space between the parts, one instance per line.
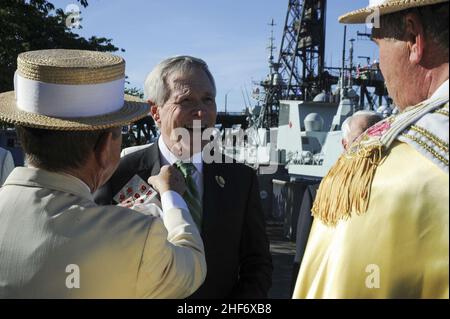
x=62 y=100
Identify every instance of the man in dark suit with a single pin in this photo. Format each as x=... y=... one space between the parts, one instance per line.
x=304 y=224
x=181 y=90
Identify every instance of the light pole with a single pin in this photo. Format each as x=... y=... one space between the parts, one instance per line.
x=226 y=101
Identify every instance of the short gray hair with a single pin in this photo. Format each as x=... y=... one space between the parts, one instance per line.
x=372 y=118
x=156 y=88
x=435 y=19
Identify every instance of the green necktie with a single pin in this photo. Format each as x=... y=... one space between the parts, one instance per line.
x=191 y=196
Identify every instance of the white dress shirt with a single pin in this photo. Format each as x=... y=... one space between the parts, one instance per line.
x=168 y=158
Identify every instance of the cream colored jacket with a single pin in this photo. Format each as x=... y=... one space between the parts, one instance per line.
x=55 y=242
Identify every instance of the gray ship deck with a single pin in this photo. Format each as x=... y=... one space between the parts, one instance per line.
x=283 y=252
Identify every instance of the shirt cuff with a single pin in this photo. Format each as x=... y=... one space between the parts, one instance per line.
x=171 y=199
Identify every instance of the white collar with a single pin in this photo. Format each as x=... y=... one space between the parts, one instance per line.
x=53 y=180
x=168 y=158
x=441 y=92
x=86 y=186
x=82 y=183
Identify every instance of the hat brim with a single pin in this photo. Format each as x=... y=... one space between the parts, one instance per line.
x=361 y=15
x=132 y=110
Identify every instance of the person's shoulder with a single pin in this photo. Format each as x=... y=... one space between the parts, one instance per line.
x=230 y=164
x=409 y=172
x=4 y=152
x=140 y=149
x=107 y=228
x=135 y=156
x=115 y=217
x=136 y=153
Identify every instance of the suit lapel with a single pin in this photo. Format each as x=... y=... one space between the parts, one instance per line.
x=150 y=163
x=214 y=196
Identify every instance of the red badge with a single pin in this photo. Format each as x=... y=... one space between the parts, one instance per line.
x=379 y=129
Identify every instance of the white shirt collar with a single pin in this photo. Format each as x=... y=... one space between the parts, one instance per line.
x=441 y=92
x=81 y=182
x=168 y=158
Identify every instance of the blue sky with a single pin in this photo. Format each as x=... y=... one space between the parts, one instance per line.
x=230 y=35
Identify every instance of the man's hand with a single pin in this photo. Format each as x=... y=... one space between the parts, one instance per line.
x=169 y=178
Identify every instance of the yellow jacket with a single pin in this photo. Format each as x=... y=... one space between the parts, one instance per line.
x=398 y=249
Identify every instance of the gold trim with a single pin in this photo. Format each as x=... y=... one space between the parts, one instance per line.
x=430 y=136
x=427 y=148
x=442 y=111
x=345 y=190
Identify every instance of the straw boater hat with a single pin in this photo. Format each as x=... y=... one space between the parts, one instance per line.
x=71 y=90
x=384 y=7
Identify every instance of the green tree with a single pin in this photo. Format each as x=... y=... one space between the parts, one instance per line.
x=35 y=25
x=134 y=92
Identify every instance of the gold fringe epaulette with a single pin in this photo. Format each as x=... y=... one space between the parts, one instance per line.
x=345 y=190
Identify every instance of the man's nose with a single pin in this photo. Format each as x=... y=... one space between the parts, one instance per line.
x=199 y=113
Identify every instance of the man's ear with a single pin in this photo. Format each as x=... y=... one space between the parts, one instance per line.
x=102 y=150
x=154 y=111
x=344 y=143
x=415 y=37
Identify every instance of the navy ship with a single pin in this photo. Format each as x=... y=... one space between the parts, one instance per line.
x=294 y=135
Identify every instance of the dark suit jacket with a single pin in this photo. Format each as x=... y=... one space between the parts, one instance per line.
x=233 y=228
x=304 y=223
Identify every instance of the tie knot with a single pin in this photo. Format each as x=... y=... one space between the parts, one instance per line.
x=187 y=169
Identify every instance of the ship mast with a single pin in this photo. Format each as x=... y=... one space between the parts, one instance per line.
x=299 y=72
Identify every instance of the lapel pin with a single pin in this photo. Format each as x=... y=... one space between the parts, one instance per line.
x=221 y=181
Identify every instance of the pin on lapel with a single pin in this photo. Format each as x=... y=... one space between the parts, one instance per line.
x=221 y=181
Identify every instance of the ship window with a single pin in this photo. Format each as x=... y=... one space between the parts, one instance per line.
x=311 y=144
x=284 y=114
